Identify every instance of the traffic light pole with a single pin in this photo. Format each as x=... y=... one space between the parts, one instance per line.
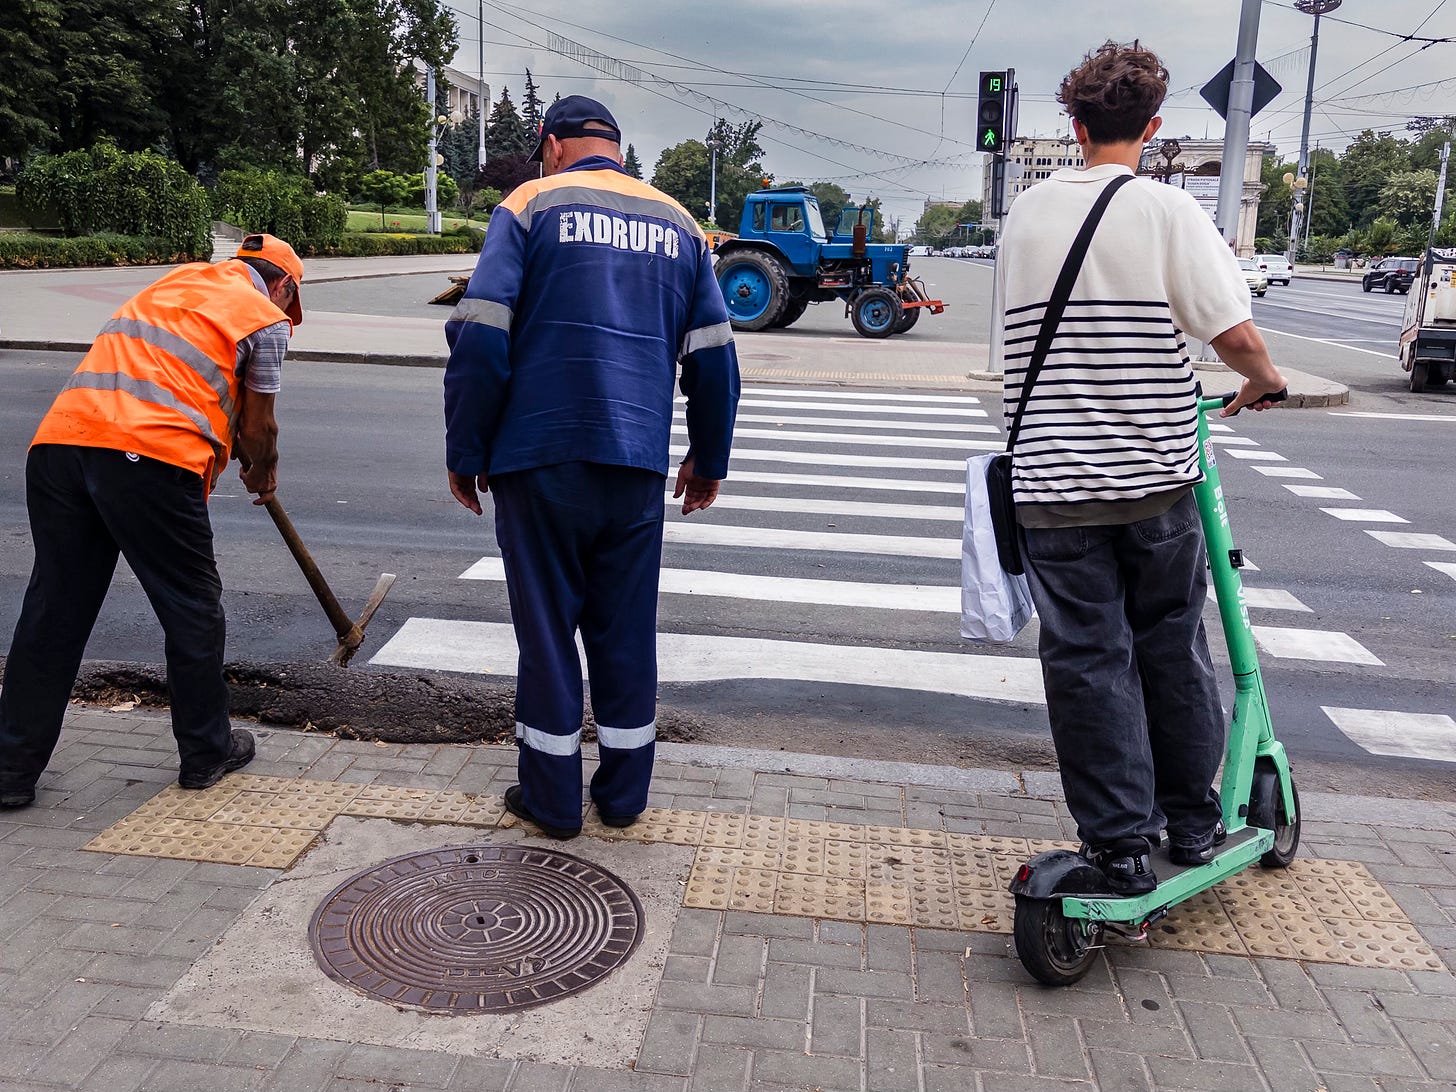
x=1236 y=131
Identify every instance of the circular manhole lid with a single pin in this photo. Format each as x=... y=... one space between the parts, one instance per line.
x=476 y=929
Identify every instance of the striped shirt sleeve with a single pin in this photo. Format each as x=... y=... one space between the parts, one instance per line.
x=260 y=358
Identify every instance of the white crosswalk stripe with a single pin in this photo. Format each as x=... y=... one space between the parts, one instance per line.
x=812 y=516
x=1431 y=736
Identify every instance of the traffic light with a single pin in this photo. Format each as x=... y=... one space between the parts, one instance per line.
x=991 y=123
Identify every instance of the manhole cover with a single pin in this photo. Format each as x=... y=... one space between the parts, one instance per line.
x=491 y=929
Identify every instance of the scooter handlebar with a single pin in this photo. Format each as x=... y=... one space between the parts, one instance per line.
x=1223 y=401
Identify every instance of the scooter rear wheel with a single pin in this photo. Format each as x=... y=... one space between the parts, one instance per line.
x=1286 y=833
x=1055 y=950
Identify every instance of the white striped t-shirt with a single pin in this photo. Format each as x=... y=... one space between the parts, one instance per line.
x=1112 y=415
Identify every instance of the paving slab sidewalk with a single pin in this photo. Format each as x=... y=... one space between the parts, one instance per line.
x=92 y=943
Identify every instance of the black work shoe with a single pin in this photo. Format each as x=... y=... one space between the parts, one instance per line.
x=516 y=805
x=240 y=754
x=1199 y=854
x=618 y=821
x=16 y=798
x=1127 y=866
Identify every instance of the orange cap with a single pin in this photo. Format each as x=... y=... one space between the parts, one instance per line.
x=272 y=249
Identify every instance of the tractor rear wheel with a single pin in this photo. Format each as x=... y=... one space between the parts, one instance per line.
x=792 y=312
x=755 y=288
x=876 y=312
x=910 y=317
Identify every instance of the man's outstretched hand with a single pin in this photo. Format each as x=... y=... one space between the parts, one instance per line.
x=463 y=488
x=700 y=492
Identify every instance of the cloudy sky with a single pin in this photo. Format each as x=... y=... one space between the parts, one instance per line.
x=881 y=98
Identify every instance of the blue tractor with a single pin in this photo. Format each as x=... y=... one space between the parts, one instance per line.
x=782 y=260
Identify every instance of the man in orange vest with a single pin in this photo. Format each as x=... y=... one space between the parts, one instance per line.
x=122 y=465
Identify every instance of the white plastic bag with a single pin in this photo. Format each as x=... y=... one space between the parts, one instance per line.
x=995 y=606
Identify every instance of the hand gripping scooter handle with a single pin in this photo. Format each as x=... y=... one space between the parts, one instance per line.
x=1278 y=396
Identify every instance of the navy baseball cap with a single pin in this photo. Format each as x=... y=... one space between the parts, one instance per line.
x=568 y=118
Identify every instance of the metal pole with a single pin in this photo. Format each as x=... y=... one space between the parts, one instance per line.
x=480 y=86
x=1303 y=171
x=713 y=186
x=1440 y=195
x=432 y=215
x=1236 y=131
x=1309 y=201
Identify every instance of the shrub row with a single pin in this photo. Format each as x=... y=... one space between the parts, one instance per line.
x=22 y=251
x=369 y=244
x=280 y=204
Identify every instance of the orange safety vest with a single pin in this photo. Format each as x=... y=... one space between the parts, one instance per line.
x=161 y=378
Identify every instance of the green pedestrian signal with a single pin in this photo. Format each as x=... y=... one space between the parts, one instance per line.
x=991 y=112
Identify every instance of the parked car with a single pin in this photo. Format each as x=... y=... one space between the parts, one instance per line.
x=1254 y=276
x=1391 y=274
x=1276 y=267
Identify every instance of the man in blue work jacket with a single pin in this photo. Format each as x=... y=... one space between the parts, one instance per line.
x=591 y=288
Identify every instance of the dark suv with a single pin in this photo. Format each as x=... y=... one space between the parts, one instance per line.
x=1391 y=274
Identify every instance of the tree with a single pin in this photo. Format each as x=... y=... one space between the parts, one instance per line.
x=1366 y=166
x=739 y=168
x=682 y=173
x=1276 y=201
x=531 y=106
x=28 y=30
x=631 y=164
x=506 y=133
x=446 y=191
x=383 y=188
x=1408 y=197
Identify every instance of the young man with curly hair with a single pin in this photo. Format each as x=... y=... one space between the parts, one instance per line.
x=1104 y=469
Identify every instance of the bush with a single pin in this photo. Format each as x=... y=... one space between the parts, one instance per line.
x=1320 y=249
x=105 y=190
x=372 y=244
x=279 y=204
x=22 y=251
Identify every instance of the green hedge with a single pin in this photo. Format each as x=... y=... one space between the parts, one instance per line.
x=280 y=204
x=370 y=244
x=22 y=251
x=103 y=190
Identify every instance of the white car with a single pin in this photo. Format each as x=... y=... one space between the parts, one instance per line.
x=1276 y=267
x=1254 y=276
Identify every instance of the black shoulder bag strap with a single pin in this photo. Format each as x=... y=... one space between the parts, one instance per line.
x=1052 y=318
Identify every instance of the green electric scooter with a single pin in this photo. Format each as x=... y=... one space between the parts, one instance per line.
x=1064 y=905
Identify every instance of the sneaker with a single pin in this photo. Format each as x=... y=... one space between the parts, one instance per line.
x=16 y=798
x=1198 y=854
x=1127 y=866
x=240 y=754
x=516 y=805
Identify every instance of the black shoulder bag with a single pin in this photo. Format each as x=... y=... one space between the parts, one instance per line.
x=998 y=470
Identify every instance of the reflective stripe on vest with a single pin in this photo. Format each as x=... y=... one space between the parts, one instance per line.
x=184 y=351
x=144 y=391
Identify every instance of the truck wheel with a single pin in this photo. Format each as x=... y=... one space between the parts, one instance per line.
x=1419 y=371
x=754 y=288
x=792 y=312
x=876 y=312
x=908 y=319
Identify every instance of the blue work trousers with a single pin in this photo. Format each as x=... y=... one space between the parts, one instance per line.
x=582 y=546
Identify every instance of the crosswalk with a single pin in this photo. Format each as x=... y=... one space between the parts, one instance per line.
x=843 y=502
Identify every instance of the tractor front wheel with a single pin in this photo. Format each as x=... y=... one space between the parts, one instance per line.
x=876 y=312
x=755 y=288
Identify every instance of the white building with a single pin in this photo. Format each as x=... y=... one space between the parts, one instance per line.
x=1030 y=160
x=456 y=91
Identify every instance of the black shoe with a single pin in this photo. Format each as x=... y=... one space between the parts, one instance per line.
x=1198 y=854
x=517 y=807
x=239 y=755
x=16 y=798
x=1127 y=866
x=618 y=821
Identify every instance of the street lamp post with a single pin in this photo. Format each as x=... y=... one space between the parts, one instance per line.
x=432 y=212
x=713 y=145
x=1315 y=8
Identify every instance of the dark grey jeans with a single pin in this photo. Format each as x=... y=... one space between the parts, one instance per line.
x=1131 y=692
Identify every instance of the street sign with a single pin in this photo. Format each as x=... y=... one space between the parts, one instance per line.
x=991 y=112
x=1216 y=91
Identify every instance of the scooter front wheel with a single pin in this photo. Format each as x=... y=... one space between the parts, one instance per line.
x=1286 y=832
x=1055 y=950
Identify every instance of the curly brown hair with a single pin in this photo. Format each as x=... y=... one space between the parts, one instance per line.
x=1115 y=91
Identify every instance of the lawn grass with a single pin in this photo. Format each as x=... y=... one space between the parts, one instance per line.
x=360 y=220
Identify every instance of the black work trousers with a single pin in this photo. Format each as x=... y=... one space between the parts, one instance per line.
x=1131 y=691
x=87 y=505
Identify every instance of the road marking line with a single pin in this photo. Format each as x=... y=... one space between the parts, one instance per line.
x=942 y=599
x=1408 y=540
x=1256 y=456
x=1325 y=341
x=489 y=648
x=882 y=411
x=863 y=439
x=862 y=396
x=1325 y=646
x=1269 y=598
x=1447 y=567
x=1214 y=426
x=778 y=538
x=1234 y=441
x=1321 y=492
x=1364 y=515
x=1287 y=472
x=954 y=429
x=1447 y=417
x=825 y=507
x=830 y=481
x=1430 y=736
x=834 y=458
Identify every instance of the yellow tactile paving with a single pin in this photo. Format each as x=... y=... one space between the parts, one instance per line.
x=1318 y=910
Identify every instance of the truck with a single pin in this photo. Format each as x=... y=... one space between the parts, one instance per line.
x=782 y=260
x=1427 y=348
